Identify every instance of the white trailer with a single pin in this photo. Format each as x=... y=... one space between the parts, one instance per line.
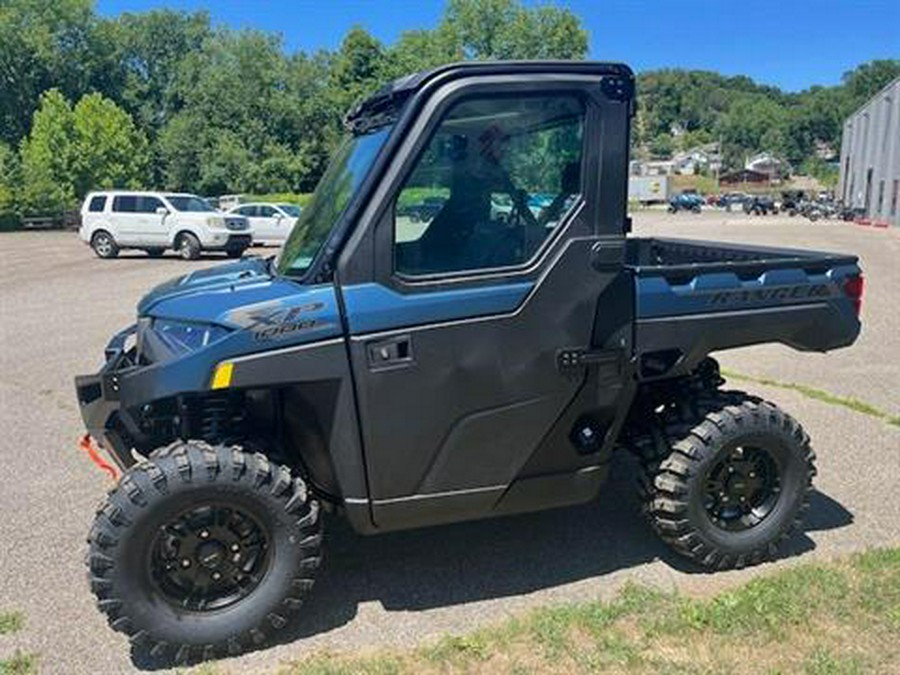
x=649 y=189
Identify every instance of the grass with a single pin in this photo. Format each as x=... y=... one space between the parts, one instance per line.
x=839 y=618
x=19 y=664
x=11 y=622
x=848 y=402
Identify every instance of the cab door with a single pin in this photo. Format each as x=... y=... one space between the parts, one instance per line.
x=475 y=347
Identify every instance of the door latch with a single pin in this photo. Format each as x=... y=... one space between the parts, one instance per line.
x=390 y=352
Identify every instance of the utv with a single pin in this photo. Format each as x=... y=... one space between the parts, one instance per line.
x=686 y=201
x=403 y=372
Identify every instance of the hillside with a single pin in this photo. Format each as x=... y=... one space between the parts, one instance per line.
x=679 y=109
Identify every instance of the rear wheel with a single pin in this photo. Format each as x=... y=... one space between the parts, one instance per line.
x=203 y=551
x=104 y=245
x=734 y=483
x=188 y=246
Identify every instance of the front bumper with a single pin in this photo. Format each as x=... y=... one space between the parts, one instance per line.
x=231 y=242
x=99 y=397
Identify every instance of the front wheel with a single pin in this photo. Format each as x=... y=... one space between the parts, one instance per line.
x=104 y=245
x=203 y=551
x=735 y=483
x=234 y=252
x=189 y=246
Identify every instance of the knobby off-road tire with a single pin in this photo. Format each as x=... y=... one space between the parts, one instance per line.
x=135 y=524
x=686 y=462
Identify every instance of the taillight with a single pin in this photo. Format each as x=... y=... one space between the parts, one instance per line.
x=853 y=289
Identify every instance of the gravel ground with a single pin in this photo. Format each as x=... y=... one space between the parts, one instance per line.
x=59 y=305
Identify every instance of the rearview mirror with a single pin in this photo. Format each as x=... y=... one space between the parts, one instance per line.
x=162 y=211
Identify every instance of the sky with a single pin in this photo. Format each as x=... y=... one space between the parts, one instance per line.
x=792 y=44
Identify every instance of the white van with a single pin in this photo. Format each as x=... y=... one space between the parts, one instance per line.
x=155 y=221
x=270 y=224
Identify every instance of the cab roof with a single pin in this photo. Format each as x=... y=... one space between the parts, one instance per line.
x=383 y=105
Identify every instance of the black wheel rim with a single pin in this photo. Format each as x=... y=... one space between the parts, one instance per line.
x=742 y=488
x=209 y=557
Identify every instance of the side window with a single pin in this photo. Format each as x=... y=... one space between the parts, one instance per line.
x=149 y=204
x=98 y=203
x=125 y=204
x=267 y=212
x=247 y=210
x=493 y=183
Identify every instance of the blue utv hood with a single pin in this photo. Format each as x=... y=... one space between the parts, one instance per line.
x=244 y=295
x=241 y=272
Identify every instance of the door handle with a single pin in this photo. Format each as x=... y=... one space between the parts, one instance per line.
x=391 y=352
x=607 y=255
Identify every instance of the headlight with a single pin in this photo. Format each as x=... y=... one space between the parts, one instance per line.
x=182 y=337
x=215 y=221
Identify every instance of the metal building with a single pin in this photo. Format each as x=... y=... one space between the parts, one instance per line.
x=870 y=158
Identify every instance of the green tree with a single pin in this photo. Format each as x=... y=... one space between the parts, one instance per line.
x=506 y=29
x=48 y=44
x=8 y=177
x=866 y=80
x=662 y=146
x=246 y=109
x=753 y=123
x=46 y=158
x=108 y=151
x=150 y=47
x=420 y=50
x=357 y=68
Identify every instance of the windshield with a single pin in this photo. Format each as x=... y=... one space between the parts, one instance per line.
x=292 y=210
x=189 y=203
x=342 y=179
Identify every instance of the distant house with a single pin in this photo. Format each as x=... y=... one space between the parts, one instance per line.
x=826 y=152
x=744 y=176
x=765 y=162
x=702 y=157
x=686 y=163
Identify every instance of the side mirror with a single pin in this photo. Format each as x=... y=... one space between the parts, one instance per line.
x=162 y=211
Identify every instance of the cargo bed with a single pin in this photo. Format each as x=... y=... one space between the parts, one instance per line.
x=696 y=297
